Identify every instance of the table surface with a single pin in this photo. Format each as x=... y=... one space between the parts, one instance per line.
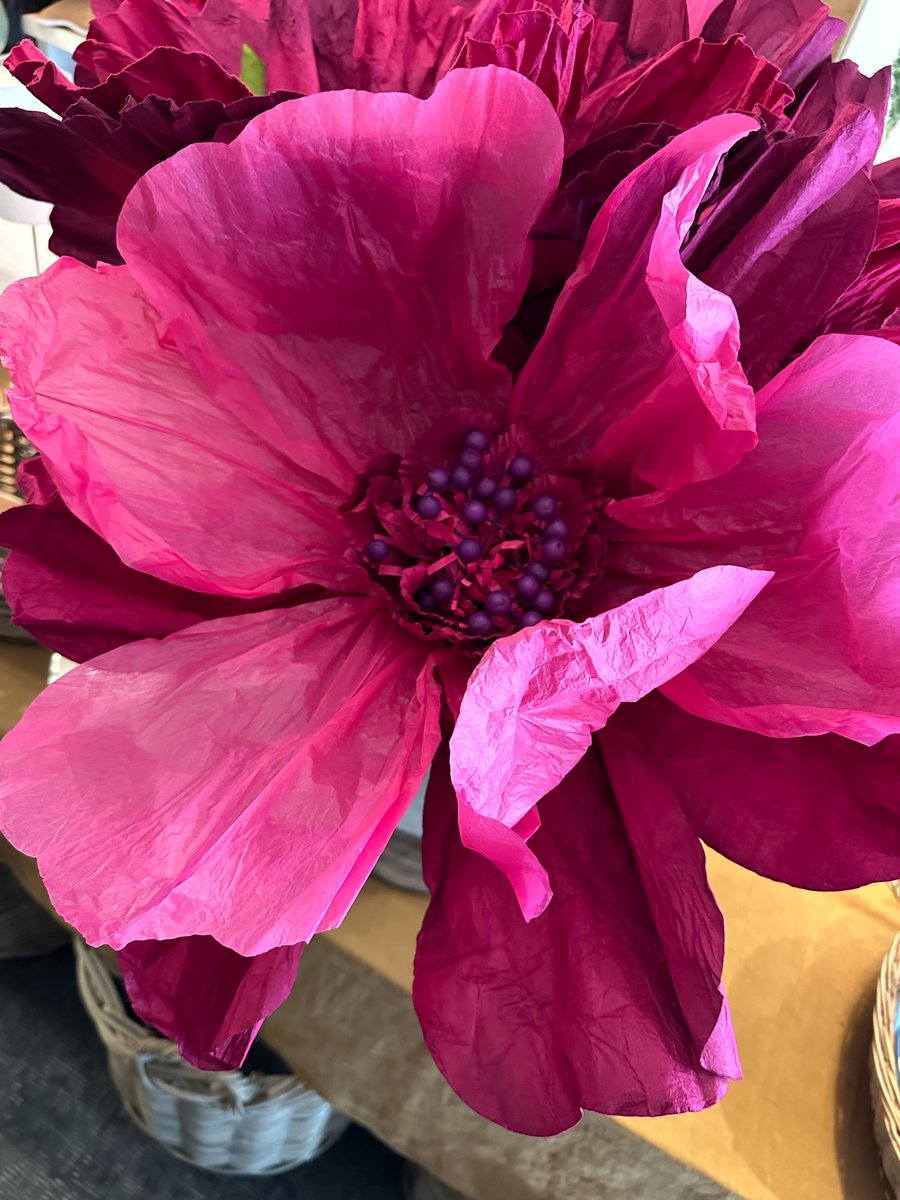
x=801 y=974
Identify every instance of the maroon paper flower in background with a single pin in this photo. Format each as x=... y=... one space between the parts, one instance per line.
x=110 y=133
x=624 y=75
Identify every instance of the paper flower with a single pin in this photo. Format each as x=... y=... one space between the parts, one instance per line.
x=110 y=133
x=289 y=385
x=156 y=75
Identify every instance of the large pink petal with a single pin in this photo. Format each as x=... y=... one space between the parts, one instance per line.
x=673 y=404
x=351 y=258
x=814 y=812
x=534 y=700
x=146 y=456
x=817 y=503
x=237 y=780
x=610 y=1000
x=210 y=1001
x=67 y=587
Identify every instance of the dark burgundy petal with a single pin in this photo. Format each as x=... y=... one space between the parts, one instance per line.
x=66 y=586
x=814 y=812
x=794 y=34
x=788 y=239
x=610 y=1000
x=208 y=999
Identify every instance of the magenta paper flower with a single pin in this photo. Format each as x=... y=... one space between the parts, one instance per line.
x=290 y=385
x=156 y=75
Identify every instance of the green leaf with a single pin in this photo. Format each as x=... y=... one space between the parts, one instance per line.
x=253 y=71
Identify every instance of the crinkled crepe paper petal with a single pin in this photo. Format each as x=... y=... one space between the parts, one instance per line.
x=41 y=158
x=886 y=178
x=818 y=502
x=67 y=587
x=638 y=370
x=210 y=1001
x=599 y=1003
x=133 y=28
x=691 y=83
x=146 y=456
x=651 y=27
x=872 y=303
x=535 y=698
x=814 y=812
x=344 y=269
x=164 y=71
x=406 y=45
x=238 y=779
x=290 y=50
x=803 y=240
x=333 y=29
x=111 y=133
x=558 y=48
x=795 y=35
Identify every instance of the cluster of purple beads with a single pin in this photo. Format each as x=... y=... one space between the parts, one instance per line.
x=487 y=500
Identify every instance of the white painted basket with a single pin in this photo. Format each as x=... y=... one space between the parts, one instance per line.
x=231 y=1122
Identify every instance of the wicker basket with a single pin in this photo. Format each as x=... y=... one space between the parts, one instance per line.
x=230 y=1122
x=14 y=449
x=885 y=1081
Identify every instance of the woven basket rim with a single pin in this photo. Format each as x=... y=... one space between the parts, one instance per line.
x=123 y=1034
x=884 y=1069
x=188 y=1120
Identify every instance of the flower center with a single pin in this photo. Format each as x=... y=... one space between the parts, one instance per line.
x=478 y=533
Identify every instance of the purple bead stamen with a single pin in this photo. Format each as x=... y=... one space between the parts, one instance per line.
x=377 y=550
x=474 y=512
x=471 y=458
x=545 y=507
x=427 y=601
x=442 y=589
x=485 y=487
x=469 y=550
x=554 y=550
x=544 y=601
x=477 y=439
x=530 y=618
x=429 y=507
x=480 y=623
x=505 y=500
x=461 y=478
x=558 y=528
x=538 y=570
x=527 y=587
x=498 y=603
x=438 y=479
x=521 y=469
